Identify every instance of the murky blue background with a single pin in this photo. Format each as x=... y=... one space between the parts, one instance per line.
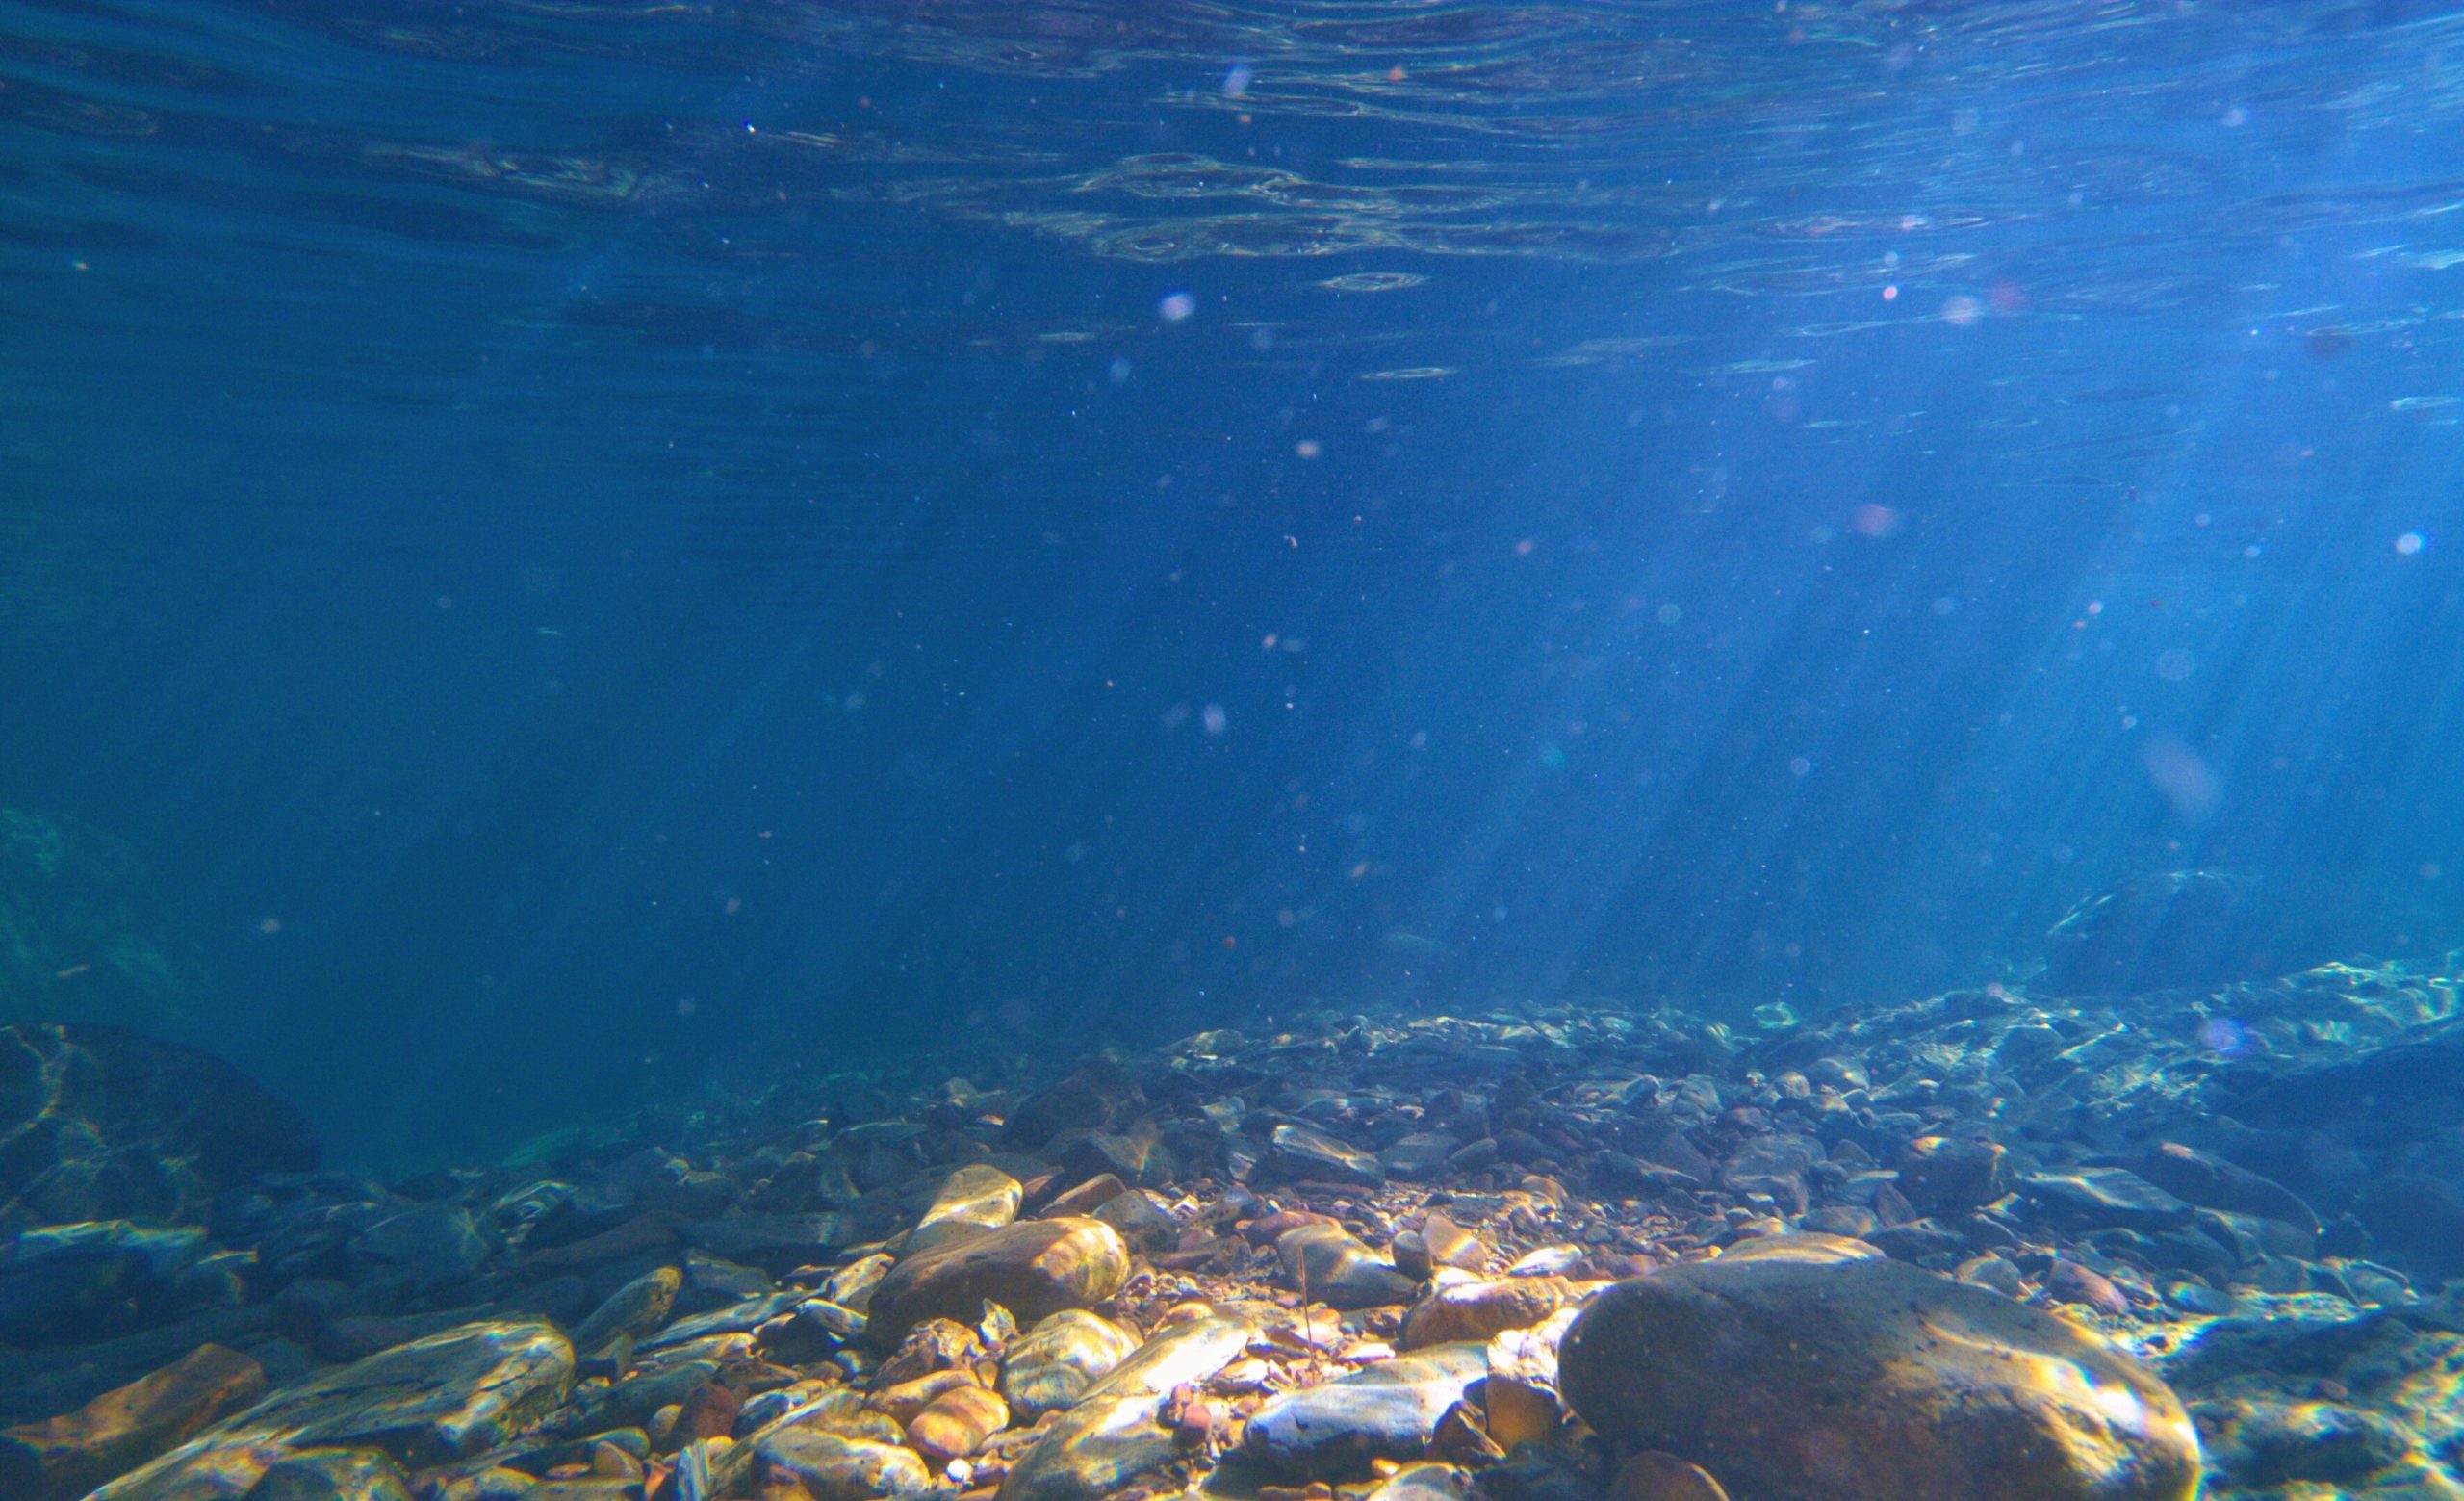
x=593 y=548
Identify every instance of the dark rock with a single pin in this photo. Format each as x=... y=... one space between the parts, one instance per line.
x=1949 y=1172
x=101 y=1122
x=419 y=1250
x=77 y=1282
x=1774 y=1164
x=1790 y=1379
x=2095 y=1198
x=1298 y=1155
x=2211 y=1183
x=2205 y=929
x=1389 y=1412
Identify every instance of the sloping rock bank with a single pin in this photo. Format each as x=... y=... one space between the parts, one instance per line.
x=1981 y=1244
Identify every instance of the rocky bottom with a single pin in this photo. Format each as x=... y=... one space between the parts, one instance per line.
x=1985 y=1245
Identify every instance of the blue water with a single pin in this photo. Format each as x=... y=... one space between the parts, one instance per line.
x=593 y=551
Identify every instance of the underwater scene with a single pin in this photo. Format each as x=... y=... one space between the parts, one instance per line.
x=1589 y=750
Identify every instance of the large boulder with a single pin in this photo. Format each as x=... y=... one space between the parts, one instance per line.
x=101 y=1122
x=1868 y=1380
x=1033 y=1269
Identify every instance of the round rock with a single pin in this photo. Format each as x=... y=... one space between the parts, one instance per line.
x=1033 y=1269
x=1871 y=1381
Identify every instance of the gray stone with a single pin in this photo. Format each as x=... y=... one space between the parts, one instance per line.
x=1389 y=1412
x=1298 y=1155
x=1142 y=1222
x=2104 y=1198
x=432 y=1246
x=1326 y=1263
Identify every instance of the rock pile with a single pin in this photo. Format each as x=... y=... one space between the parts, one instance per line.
x=1968 y=1247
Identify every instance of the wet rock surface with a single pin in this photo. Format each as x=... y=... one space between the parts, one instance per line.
x=1868 y=1380
x=1348 y=1254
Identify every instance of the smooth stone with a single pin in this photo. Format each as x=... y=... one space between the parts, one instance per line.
x=69 y=1455
x=436 y=1399
x=1035 y=1269
x=1113 y=1435
x=421 y=1250
x=2211 y=1183
x=1776 y=1164
x=1087 y=1197
x=907 y=1399
x=334 y=1475
x=1479 y=1310
x=1797 y=1382
x=1298 y=1155
x=2105 y=1198
x=1423 y=1483
x=1950 y=1172
x=956 y=1423
x=636 y=1309
x=1418 y=1156
x=1053 y=1364
x=835 y=1468
x=1326 y=1263
x=1389 y=1412
x=736 y=1318
x=977 y=1196
x=1142 y=1222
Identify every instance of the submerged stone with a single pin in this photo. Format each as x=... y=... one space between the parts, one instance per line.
x=1113 y=1435
x=1870 y=1381
x=2199 y=929
x=1052 y=1365
x=70 y=1455
x=1033 y=1269
x=1389 y=1412
x=433 y=1400
x=102 y=1123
